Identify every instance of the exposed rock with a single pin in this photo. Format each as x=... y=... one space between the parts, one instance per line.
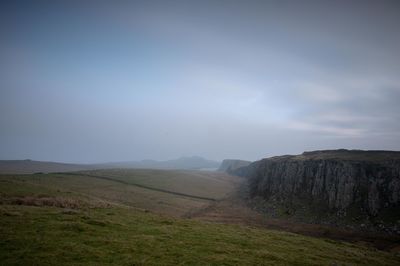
x=231 y=165
x=344 y=183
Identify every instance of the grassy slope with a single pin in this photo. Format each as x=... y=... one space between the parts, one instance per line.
x=94 y=233
x=84 y=187
x=121 y=187
x=199 y=183
x=122 y=236
x=30 y=167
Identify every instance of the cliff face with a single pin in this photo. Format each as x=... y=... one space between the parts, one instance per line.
x=232 y=165
x=342 y=181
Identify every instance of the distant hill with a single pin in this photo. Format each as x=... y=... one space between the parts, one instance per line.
x=30 y=167
x=193 y=162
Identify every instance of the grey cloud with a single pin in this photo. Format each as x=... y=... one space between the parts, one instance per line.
x=222 y=79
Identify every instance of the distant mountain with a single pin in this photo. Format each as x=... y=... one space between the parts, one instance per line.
x=30 y=167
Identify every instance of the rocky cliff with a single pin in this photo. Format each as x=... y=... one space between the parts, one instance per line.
x=231 y=165
x=361 y=185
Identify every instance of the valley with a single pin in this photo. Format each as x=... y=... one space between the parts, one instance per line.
x=125 y=216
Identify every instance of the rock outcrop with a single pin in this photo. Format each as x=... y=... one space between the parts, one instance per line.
x=346 y=183
x=231 y=165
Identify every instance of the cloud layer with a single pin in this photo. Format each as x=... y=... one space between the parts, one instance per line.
x=233 y=79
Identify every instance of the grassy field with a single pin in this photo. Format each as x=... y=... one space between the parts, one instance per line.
x=61 y=219
x=122 y=236
x=163 y=191
x=212 y=185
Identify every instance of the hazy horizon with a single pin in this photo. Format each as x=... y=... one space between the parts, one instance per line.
x=92 y=82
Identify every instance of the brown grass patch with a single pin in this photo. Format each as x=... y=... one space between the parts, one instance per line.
x=59 y=202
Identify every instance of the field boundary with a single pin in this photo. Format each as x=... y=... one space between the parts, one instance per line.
x=141 y=186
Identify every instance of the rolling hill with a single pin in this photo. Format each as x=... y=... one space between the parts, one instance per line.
x=125 y=217
x=31 y=167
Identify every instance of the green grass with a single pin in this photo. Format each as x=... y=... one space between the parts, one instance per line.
x=212 y=185
x=351 y=155
x=122 y=236
x=106 y=227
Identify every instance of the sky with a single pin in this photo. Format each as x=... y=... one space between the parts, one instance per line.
x=102 y=81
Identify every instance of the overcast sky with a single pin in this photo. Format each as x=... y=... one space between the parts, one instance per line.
x=130 y=80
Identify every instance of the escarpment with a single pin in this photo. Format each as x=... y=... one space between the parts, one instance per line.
x=231 y=165
x=346 y=183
